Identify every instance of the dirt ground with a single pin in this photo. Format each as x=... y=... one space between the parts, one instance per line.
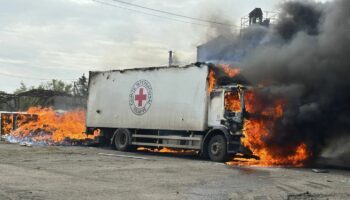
x=94 y=173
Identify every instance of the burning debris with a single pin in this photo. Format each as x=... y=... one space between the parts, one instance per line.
x=167 y=150
x=10 y=121
x=45 y=126
x=6 y=123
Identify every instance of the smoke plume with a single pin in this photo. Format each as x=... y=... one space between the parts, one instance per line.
x=305 y=60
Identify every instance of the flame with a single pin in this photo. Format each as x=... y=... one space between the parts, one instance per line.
x=260 y=128
x=166 y=150
x=6 y=123
x=53 y=128
x=229 y=70
x=23 y=118
x=258 y=131
x=97 y=132
x=211 y=80
x=232 y=102
x=256 y=134
x=169 y=150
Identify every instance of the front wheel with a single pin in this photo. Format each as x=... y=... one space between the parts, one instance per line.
x=217 y=149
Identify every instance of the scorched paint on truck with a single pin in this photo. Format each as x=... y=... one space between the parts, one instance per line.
x=165 y=107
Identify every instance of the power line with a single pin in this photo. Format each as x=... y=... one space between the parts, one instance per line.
x=174 y=14
x=31 y=78
x=150 y=14
x=163 y=17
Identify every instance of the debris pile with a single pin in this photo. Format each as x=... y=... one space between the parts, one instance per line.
x=49 y=127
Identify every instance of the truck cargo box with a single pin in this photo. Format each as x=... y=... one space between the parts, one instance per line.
x=164 y=98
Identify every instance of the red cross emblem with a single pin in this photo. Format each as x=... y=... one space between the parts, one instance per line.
x=140 y=97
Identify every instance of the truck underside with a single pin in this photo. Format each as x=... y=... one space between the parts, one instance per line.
x=219 y=150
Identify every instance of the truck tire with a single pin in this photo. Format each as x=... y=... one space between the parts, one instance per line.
x=217 y=148
x=122 y=139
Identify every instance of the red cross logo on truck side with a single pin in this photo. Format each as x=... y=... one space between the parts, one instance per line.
x=140 y=97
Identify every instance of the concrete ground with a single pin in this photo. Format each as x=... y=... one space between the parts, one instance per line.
x=93 y=173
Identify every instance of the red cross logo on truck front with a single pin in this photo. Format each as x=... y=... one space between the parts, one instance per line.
x=140 y=97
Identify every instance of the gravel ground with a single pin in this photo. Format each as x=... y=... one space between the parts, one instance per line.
x=94 y=173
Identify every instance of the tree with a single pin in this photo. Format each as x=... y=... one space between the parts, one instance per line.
x=57 y=86
x=24 y=102
x=80 y=90
x=22 y=88
x=81 y=87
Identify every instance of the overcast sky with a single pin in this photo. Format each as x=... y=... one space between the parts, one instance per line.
x=62 y=39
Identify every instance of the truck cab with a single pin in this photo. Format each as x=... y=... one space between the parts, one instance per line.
x=226 y=112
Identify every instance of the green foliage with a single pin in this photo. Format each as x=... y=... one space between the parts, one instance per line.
x=78 y=88
x=57 y=86
x=22 y=88
x=81 y=87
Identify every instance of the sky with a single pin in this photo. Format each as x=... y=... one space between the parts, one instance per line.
x=42 y=40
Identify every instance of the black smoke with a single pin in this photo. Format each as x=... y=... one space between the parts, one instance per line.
x=298 y=17
x=309 y=67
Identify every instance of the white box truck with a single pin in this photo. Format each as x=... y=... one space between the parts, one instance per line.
x=164 y=107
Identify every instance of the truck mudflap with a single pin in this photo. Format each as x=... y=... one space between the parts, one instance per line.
x=234 y=144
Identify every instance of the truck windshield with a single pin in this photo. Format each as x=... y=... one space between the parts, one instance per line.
x=232 y=101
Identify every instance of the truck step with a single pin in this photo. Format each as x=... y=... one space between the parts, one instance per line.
x=167 y=137
x=166 y=145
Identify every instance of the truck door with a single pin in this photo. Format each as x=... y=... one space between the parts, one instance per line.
x=216 y=108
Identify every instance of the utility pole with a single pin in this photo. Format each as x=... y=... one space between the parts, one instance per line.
x=170 y=58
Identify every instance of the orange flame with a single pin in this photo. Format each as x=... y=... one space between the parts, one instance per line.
x=211 y=80
x=53 y=127
x=6 y=123
x=165 y=150
x=23 y=118
x=232 y=102
x=229 y=70
x=259 y=130
x=97 y=132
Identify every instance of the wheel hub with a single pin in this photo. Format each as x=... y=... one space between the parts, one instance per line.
x=215 y=148
x=122 y=139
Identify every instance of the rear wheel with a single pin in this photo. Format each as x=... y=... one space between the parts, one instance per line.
x=217 y=149
x=122 y=139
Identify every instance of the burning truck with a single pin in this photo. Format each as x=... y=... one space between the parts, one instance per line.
x=168 y=107
x=203 y=108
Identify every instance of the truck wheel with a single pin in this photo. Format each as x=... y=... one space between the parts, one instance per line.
x=122 y=139
x=217 y=149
